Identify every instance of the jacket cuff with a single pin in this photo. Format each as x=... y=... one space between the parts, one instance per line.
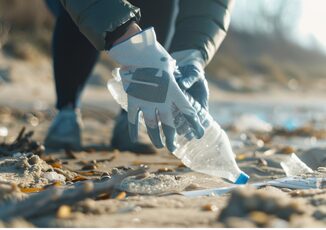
x=202 y=25
x=98 y=17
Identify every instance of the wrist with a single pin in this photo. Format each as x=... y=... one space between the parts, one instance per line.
x=121 y=34
x=133 y=29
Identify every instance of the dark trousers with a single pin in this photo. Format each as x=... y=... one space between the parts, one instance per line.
x=74 y=56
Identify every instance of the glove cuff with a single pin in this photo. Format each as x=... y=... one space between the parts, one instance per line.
x=189 y=57
x=142 y=50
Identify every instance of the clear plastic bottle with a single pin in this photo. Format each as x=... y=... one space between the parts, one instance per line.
x=212 y=154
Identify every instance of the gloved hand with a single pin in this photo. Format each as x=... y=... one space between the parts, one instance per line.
x=192 y=76
x=147 y=75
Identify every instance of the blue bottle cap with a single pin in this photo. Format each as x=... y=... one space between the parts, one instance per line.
x=242 y=179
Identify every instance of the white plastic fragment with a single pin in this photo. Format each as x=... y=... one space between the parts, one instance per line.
x=293 y=166
x=3 y=132
x=253 y=123
x=53 y=176
x=18 y=154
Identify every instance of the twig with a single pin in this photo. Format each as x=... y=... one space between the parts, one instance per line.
x=23 y=144
x=20 y=135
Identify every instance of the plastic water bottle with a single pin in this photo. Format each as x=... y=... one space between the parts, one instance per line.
x=212 y=154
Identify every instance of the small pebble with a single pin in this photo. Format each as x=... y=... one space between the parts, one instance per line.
x=192 y=186
x=33 y=160
x=319 y=215
x=89 y=167
x=105 y=176
x=262 y=162
x=162 y=170
x=142 y=176
x=88 y=186
x=260 y=143
x=259 y=218
x=286 y=190
x=64 y=212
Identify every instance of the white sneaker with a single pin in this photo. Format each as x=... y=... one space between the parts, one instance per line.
x=65 y=130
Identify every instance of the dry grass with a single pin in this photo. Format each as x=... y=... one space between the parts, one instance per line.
x=273 y=58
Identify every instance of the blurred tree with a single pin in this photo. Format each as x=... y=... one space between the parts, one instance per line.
x=273 y=17
x=280 y=16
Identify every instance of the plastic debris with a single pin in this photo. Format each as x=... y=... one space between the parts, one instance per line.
x=293 y=166
x=155 y=184
x=253 y=123
x=287 y=182
x=3 y=132
x=291 y=124
x=212 y=154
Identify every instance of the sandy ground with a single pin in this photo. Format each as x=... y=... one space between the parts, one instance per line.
x=26 y=99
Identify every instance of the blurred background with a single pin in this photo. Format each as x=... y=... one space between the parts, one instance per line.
x=275 y=51
x=271 y=43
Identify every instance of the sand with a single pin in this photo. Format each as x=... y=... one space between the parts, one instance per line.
x=152 y=200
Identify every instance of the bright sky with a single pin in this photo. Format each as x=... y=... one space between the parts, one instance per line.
x=313 y=21
x=311 y=26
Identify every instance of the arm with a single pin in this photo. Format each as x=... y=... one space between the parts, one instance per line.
x=96 y=18
x=200 y=29
x=202 y=25
x=147 y=69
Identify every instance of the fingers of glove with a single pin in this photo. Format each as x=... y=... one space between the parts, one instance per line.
x=190 y=75
x=169 y=133
x=133 y=124
x=187 y=81
x=199 y=92
x=153 y=128
x=166 y=117
x=190 y=114
x=196 y=125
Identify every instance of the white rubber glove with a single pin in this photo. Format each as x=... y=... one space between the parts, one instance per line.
x=191 y=79
x=147 y=75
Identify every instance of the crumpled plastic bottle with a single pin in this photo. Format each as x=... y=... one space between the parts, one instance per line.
x=212 y=154
x=293 y=166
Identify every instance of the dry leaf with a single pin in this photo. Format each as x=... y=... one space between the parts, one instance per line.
x=209 y=207
x=78 y=178
x=121 y=196
x=31 y=190
x=240 y=157
x=287 y=150
x=56 y=165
